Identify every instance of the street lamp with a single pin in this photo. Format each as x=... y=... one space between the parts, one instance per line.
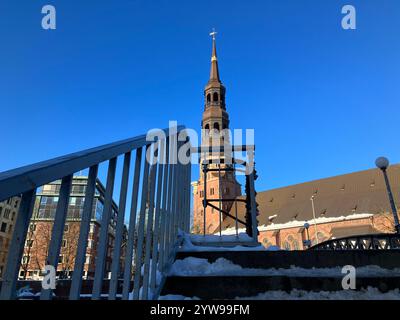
x=307 y=242
x=383 y=163
x=315 y=222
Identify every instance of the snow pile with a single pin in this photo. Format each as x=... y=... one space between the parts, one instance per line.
x=176 y=297
x=187 y=243
x=157 y=282
x=364 y=294
x=244 y=237
x=27 y=293
x=191 y=266
x=370 y=293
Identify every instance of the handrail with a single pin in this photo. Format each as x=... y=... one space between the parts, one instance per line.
x=164 y=188
x=17 y=181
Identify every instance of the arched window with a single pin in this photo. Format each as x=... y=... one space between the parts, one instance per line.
x=207 y=127
x=216 y=126
x=295 y=245
x=215 y=97
x=286 y=245
x=208 y=98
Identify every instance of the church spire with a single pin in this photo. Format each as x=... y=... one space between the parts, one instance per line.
x=214 y=73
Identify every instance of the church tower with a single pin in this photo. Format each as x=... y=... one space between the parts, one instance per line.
x=219 y=184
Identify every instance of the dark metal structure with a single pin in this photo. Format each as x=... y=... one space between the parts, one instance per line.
x=384 y=241
x=228 y=163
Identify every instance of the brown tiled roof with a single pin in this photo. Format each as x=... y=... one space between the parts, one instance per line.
x=341 y=232
x=358 y=192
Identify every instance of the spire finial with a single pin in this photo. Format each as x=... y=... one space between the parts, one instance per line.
x=213 y=33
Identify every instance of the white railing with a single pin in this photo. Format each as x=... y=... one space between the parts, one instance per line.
x=164 y=189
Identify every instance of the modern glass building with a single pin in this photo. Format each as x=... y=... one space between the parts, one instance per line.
x=47 y=199
x=39 y=235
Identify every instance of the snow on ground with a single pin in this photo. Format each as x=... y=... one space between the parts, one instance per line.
x=192 y=266
x=187 y=243
x=364 y=294
x=103 y=295
x=176 y=297
x=157 y=282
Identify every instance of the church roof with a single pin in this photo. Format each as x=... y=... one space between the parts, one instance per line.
x=343 y=195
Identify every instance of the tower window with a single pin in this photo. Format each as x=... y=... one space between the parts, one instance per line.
x=207 y=127
x=208 y=98
x=215 y=97
x=216 y=125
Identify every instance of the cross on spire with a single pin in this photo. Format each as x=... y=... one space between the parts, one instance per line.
x=213 y=33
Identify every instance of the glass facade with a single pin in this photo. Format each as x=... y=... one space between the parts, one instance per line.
x=48 y=196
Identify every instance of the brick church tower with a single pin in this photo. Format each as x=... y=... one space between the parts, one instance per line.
x=219 y=184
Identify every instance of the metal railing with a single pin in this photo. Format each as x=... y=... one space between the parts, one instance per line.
x=221 y=160
x=164 y=209
x=384 y=241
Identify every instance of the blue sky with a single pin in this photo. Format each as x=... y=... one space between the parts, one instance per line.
x=322 y=100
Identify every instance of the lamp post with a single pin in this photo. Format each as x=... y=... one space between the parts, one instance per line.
x=383 y=163
x=315 y=222
x=307 y=242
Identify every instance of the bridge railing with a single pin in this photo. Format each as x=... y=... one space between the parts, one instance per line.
x=154 y=220
x=383 y=241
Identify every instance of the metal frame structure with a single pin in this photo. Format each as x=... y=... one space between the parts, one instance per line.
x=164 y=191
x=205 y=152
x=383 y=241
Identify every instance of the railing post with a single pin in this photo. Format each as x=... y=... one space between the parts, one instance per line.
x=104 y=228
x=83 y=234
x=157 y=226
x=16 y=250
x=204 y=167
x=171 y=188
x=164 y=213
x=176 y=198
x=253 y=202
x=186 y=211
x=119 y=228
x=58 y=230
x=149 y=231
x=132 y=227
x=140 y=237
